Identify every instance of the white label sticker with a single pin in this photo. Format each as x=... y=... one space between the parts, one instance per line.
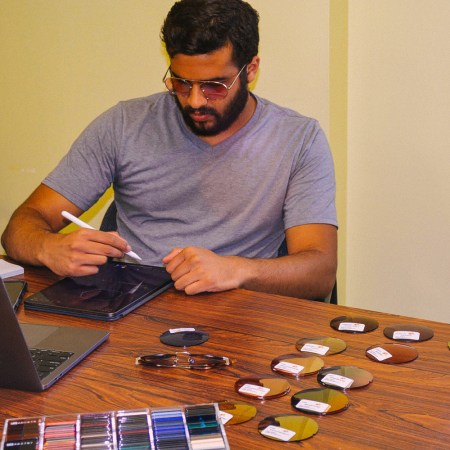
x=379 y=353
x=181 y=330
x=315 y=348
x=411 y=335
x=225 y=417
x=288 y=367
x=351 y=326
x=312 y=405
x=337 y=380
x=279 y=433
x=252 y=389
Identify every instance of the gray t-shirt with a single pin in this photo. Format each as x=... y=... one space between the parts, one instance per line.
x=173 y=190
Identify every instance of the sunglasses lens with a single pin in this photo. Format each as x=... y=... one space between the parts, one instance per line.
x=178 y=86
x=183 y=338
x=392 y=353
x=321 y=345
x=408 y=332
x=297 y=365
x=232 y=413
x=320 y=401
x=354 y=324
x=288 y=427
x=214 y=90
x=262 y=388
x=344 y=377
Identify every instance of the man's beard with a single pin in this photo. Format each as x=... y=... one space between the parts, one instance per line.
x=222 y=121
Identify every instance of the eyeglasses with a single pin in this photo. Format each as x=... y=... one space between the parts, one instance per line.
x=184 y=360
x=212 y=90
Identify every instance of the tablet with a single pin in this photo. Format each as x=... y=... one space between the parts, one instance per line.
x=116 y=290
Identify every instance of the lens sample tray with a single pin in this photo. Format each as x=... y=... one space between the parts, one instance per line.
x=189 y=427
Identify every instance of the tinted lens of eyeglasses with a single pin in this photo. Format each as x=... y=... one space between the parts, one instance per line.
x=183 y=337
x=262 y=388
x=321 y=345
x=320 y=401
x=392 y=353
x=288 y=427
x=344 y=377
x=183 y=360
x=408 y=332
x=212 y=90
x=233 y=412
x=297 y=365
x=178 y=86
x=354 y=324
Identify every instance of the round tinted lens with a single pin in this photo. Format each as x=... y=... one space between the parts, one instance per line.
x=183 y=337
x=320 y=401
x=297 y=365
x=392 y=353
x=213 y=90
x=232 y=413
x=179 y=86
x=262 y=388
x=321 y=345
x=354 y=324
x=288 y=427
x=408 y=332
x=344 y=377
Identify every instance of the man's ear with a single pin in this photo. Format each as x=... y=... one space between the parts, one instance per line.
x=252 y=69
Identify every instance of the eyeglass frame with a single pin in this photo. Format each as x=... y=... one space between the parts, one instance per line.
x=215 y=360
x=200 y=82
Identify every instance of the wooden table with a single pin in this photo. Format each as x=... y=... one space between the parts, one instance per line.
x=406 y=407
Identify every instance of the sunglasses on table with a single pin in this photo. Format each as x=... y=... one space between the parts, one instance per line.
x=183 y=360
x=212 y=90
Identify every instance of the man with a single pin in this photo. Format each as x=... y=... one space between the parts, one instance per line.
x=208 y=178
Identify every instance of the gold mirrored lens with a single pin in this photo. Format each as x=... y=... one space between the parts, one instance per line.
x=320 y=401
x=297 y=365
x=262 y=388
x=288 y=427
x=321 y=345
x=236 y=412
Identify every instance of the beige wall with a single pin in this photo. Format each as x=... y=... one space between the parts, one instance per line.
x=398 y=210
x=376 y=78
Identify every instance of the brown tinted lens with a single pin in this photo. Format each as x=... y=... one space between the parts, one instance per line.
x=354 y=324
x=344 y=377
x=392 y=353
x=179 y=86
x=235 y=412
x=321 y=345
x=213 y=90
x=288 y=427
x=297 y=365
x=320 y=401
x=408 y=332
x=262 y=388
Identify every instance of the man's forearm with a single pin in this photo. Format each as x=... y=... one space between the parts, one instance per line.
x=310 y=274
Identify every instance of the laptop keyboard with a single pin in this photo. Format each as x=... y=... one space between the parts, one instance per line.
x=46 y=361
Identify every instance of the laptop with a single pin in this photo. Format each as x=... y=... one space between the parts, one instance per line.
x=117 y=289
x=56 y=349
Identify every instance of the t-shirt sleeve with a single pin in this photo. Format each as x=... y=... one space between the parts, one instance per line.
x=311 y=192
x=87 y=170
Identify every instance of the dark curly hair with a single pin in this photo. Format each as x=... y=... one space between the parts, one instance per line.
x=195 y=27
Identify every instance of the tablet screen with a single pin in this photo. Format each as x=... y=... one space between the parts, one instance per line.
x=111 y=293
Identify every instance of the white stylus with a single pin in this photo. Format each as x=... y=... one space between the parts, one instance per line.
x=82 y=224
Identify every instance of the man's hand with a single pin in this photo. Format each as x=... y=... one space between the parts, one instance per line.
x=196 y=270
x=81 y=252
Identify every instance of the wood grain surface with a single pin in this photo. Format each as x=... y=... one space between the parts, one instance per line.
x=406 y=407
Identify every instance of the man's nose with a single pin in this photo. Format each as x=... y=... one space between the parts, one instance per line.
x=196 y=98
